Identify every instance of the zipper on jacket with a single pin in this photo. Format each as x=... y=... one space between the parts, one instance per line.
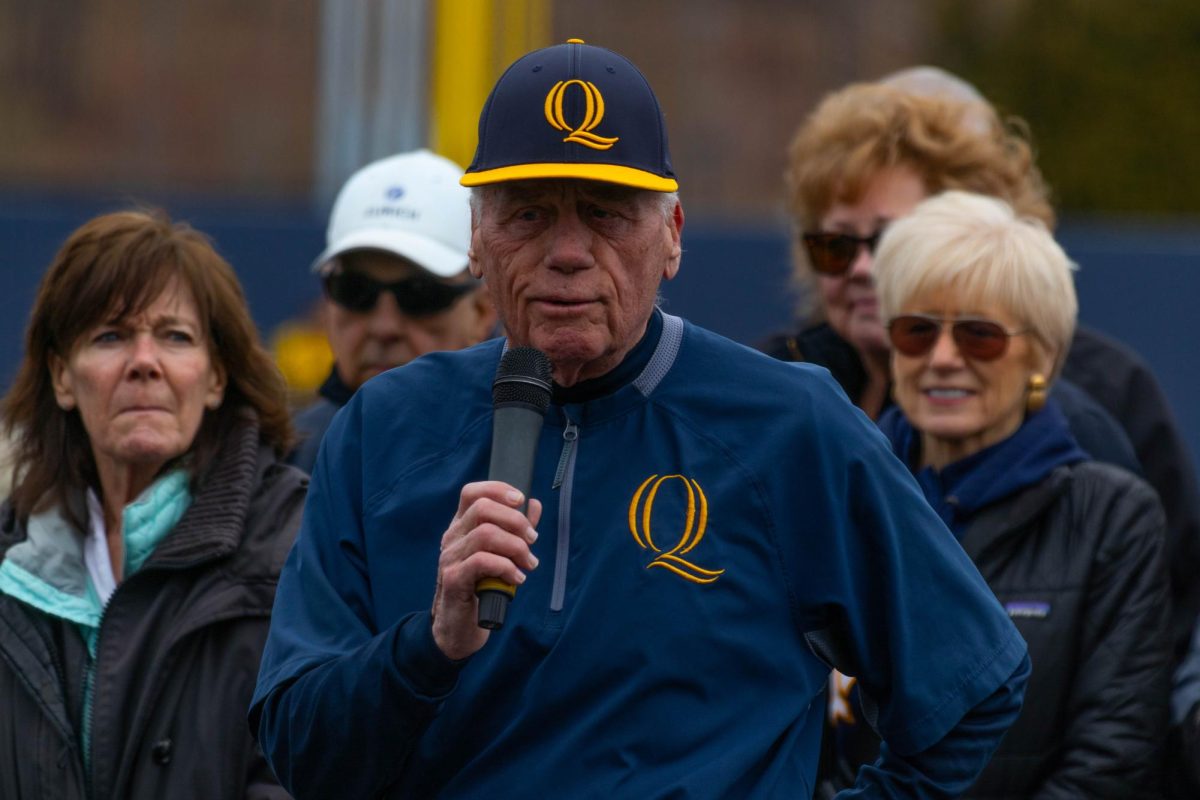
x=89 y=692
x=570 y=435
x=563 y=479
x=89 y=696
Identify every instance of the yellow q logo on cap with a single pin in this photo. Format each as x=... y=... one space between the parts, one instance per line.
x=694 y=525
x=592 y=115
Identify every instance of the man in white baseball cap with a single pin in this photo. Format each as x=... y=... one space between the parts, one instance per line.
x=396 y=284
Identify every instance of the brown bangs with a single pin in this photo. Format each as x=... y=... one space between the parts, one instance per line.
x=116 y=270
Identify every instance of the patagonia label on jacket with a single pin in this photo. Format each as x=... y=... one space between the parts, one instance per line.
x=1027 y=609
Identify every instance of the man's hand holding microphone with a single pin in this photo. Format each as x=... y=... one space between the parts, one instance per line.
x=486 y=551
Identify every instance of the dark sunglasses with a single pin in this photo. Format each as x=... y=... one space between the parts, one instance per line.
x=833 y=253
x=980 y=339
x=418 y=296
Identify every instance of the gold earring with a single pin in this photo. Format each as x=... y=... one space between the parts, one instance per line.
x=1036 y=399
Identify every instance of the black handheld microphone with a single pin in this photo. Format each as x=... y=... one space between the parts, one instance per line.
x=520 y=397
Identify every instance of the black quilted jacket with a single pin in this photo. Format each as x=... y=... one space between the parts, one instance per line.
x=178 y=654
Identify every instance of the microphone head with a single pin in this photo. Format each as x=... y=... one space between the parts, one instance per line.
x=524 y=376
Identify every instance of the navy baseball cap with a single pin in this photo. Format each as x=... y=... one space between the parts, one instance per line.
x=573 y=111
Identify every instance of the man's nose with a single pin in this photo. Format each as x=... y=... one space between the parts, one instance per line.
x=386 y=320
x=570 y=244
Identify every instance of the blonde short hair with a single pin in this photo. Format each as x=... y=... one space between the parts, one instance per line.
x=988 y=255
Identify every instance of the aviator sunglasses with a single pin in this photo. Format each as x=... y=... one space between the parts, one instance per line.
x=980 y=339
x=833 y=253
x=418 y=296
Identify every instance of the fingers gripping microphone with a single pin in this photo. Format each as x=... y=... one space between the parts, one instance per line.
x=520 y=397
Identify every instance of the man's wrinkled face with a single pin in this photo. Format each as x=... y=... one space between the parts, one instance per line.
x=574 y=266
x=371 y=340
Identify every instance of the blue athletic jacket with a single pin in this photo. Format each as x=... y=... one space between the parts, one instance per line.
x=716 y=533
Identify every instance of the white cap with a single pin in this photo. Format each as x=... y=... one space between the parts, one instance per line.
x=409 y=204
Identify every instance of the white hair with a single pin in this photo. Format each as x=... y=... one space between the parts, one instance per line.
x=978 y=247
x=927 y=81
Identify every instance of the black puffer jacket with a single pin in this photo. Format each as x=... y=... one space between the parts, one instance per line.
x=177 y=657
x=1078 y=561
x=1074 y=551
x=1122 y=382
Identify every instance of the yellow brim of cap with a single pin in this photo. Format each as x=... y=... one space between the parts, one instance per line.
x=609 y=173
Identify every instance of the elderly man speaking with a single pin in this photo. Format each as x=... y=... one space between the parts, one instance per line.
x=708 y=531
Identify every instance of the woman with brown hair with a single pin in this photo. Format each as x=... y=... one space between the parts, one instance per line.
x=148 y=521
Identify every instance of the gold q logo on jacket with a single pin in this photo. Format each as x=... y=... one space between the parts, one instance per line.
x=593 y=114
x=641 y=513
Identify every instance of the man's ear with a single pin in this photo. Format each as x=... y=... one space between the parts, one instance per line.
x=473 y=262
x=675 y=255
x=485 y=315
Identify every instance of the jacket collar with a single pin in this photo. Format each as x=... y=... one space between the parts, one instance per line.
x=212 y=526
x=625 y=372
x=961 y=490
x=631 y=383
x=1007 y=518
x=821 y=345
x=335 y=390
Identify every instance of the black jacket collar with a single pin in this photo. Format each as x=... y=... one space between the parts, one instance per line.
x=335 y=390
